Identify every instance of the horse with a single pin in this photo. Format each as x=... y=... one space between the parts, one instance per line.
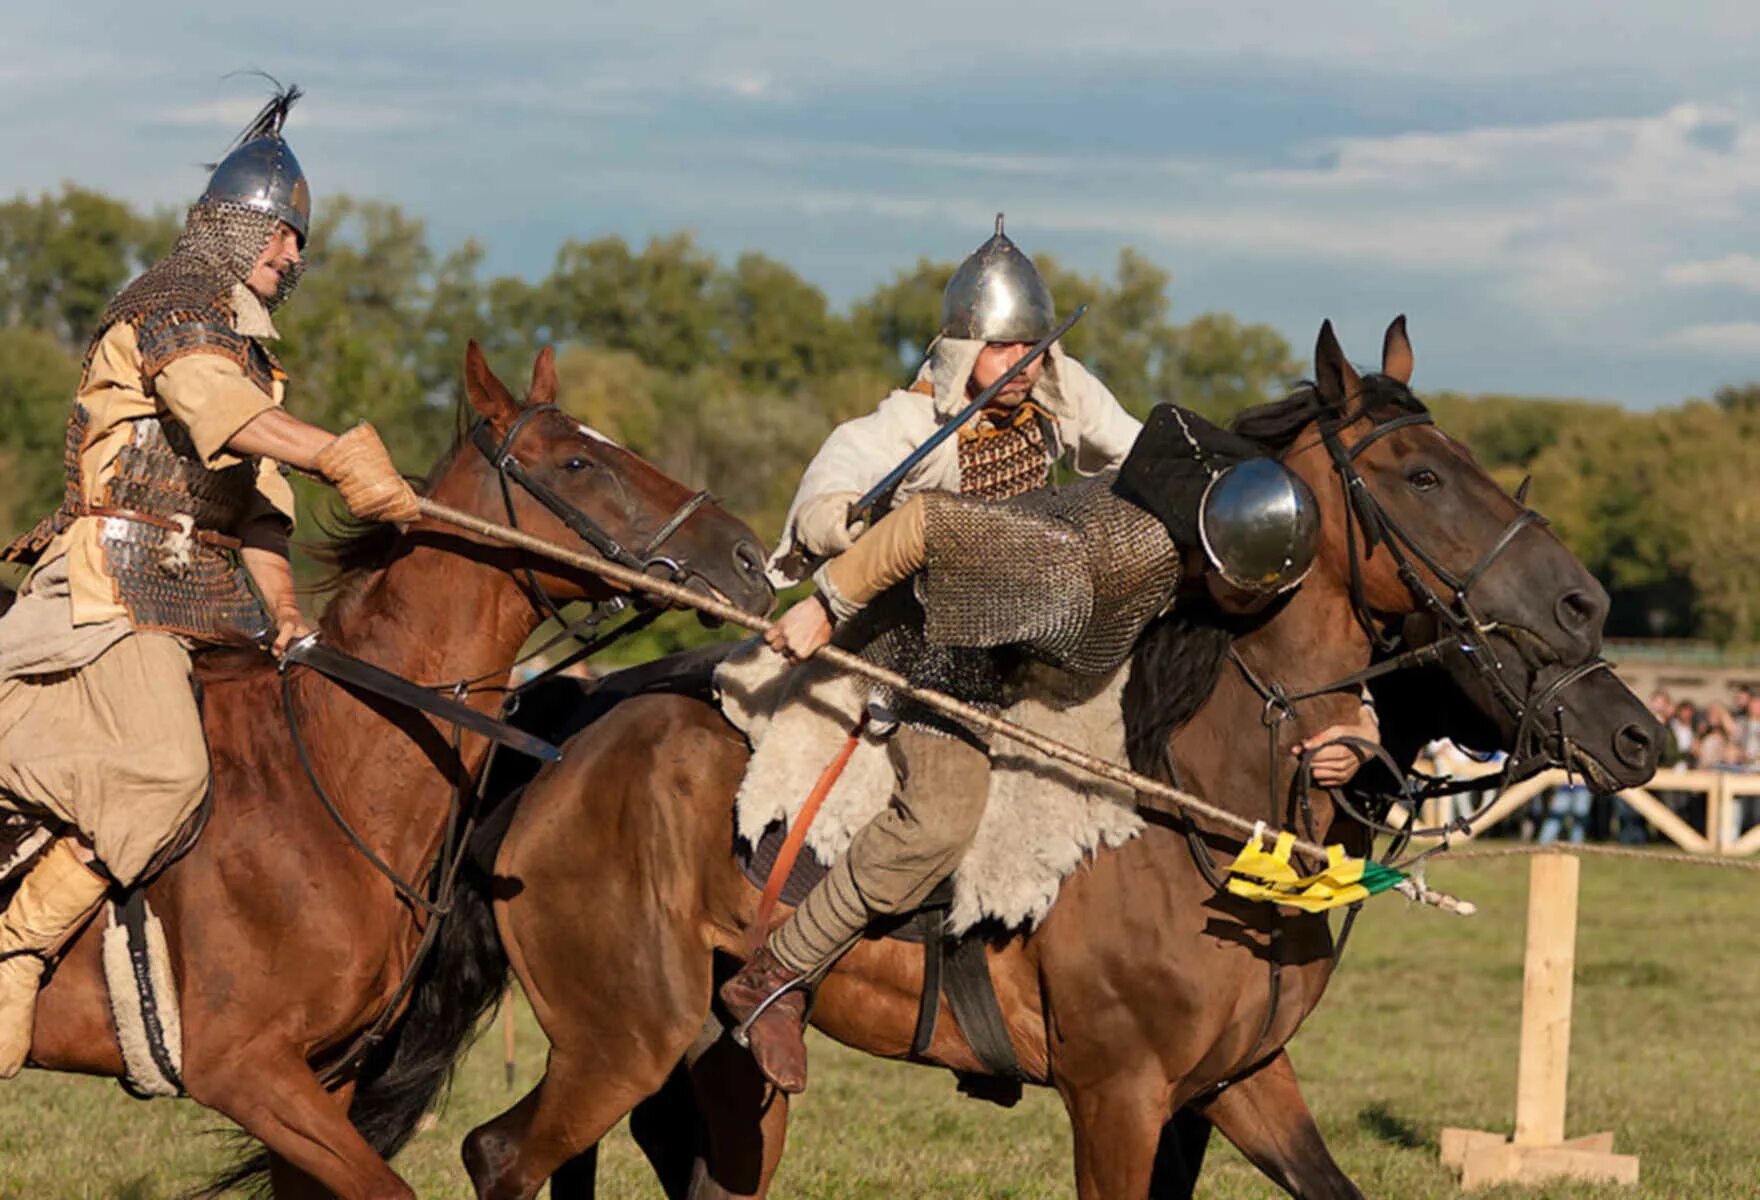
x=1596 y=726
x=290 y=929
x=1145 y=990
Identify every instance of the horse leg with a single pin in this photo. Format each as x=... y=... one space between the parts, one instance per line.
x=665 y=1127
x=578 y=1178
x=288 y=1182
x=276 y=1099
x=1264 y=1115
x=744 y=1122
x=1117 y=1125
x=1180 y=1156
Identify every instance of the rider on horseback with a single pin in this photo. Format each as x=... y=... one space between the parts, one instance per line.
x=1066 y=576
x=995 y=308
x=175 y=506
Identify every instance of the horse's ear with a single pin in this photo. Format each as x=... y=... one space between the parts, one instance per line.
x=1396 y=351
x=543 y=378
x=488 y=395
x=1334 y=377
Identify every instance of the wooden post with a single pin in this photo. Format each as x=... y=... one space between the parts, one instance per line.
x=1545 y=1062
x=1540 y=1150
x=507 y=1036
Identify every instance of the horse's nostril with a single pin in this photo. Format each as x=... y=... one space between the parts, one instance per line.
x=1577 y=610
x=747 y=561
x=1634 y=747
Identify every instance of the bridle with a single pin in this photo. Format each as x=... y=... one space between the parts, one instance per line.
x=510 y=471
x=1461 y=627
x=434 y=902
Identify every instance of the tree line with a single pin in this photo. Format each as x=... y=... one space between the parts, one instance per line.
x=729 y=375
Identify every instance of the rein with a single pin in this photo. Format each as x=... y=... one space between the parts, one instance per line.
x=464 y=806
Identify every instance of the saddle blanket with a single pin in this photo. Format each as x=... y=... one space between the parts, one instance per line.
x=1041 y=822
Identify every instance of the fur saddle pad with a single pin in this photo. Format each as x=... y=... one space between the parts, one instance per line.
x=1041 y=821
x=143 y=998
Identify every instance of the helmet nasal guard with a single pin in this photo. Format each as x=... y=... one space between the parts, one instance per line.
x=1260 y=526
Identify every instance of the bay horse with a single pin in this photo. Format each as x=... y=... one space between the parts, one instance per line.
x=1145 y=991
x=1594 y=725
x=286 y=943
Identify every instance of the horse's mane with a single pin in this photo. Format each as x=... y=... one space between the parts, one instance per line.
x=1179 y=657
x=352 y=550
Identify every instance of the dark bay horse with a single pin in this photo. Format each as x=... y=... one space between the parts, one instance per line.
x=1594 y=725
x=1145 y=991
x=286 y=943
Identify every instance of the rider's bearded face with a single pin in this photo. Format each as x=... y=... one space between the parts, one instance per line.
x=279 y=256
x=995 y=359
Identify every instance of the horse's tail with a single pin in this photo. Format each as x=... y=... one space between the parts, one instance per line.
x=463 y=975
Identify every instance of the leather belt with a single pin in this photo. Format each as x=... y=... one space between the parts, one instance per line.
x=206 y=536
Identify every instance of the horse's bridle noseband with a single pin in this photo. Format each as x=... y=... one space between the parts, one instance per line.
x=1461 y=623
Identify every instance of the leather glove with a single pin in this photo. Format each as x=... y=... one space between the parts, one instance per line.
x=822 y=525
x=360 y=467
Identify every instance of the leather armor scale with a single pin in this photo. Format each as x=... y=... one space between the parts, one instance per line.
x=1068 y=577
x=1000 y=463
x=168 y=581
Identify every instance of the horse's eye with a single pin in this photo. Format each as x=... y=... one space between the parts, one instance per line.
x=575 y=464
x=1424 y=480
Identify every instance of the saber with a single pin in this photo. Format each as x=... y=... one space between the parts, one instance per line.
x=880 y=495
x=308 y=651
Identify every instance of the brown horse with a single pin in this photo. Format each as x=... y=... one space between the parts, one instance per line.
x=286 y=942
x=1594 y=724
x=1145 y=991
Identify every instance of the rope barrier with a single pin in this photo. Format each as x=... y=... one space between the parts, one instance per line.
x=978 y=718
x=1659 y=856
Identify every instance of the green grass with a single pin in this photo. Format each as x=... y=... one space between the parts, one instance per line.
x=1418 y=1031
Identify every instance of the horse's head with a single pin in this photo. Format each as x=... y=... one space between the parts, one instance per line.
x=1411 y=522
x=533 y=466
x=1580 y=718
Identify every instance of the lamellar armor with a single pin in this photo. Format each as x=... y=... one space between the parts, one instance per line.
x=167 y=521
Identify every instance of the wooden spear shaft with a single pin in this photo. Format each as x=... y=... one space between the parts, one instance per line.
x=948 y=705
x=975 y=717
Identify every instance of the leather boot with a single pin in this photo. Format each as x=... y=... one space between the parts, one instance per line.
x=777 y=1038
x=53 y=901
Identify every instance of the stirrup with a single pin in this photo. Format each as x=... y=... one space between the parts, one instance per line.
x=742 y=1033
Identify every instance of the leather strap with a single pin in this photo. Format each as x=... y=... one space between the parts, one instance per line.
x=206 y=536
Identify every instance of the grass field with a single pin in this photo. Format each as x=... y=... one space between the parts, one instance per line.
x=1419 y=1031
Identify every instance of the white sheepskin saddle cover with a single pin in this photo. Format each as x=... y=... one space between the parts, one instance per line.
x=1042 y=819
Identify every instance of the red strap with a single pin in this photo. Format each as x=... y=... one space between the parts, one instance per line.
x=797 y=837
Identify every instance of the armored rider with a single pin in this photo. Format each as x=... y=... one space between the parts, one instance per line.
x=175 y=506
x=996 y=308
x=930 y=591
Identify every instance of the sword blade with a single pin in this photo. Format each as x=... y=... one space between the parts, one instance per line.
x=346 y=668
x=880 y=494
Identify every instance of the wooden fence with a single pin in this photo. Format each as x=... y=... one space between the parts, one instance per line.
x=1723 y=792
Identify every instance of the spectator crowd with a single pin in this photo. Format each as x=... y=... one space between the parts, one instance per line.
x=1717 y=737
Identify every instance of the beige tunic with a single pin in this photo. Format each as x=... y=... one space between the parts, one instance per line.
x=98 y=722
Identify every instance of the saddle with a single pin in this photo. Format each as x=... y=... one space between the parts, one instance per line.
x=953 y=967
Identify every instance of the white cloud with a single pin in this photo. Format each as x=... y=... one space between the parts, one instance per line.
x=1732 y=270
x=1725 y=337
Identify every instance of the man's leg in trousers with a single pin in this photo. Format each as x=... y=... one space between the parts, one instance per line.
x=894 y=862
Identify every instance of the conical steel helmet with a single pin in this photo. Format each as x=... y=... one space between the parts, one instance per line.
x=997 y=295
x=261 y=173
x=1260 y=525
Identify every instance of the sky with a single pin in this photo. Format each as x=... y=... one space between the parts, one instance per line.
x=1563 y=198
